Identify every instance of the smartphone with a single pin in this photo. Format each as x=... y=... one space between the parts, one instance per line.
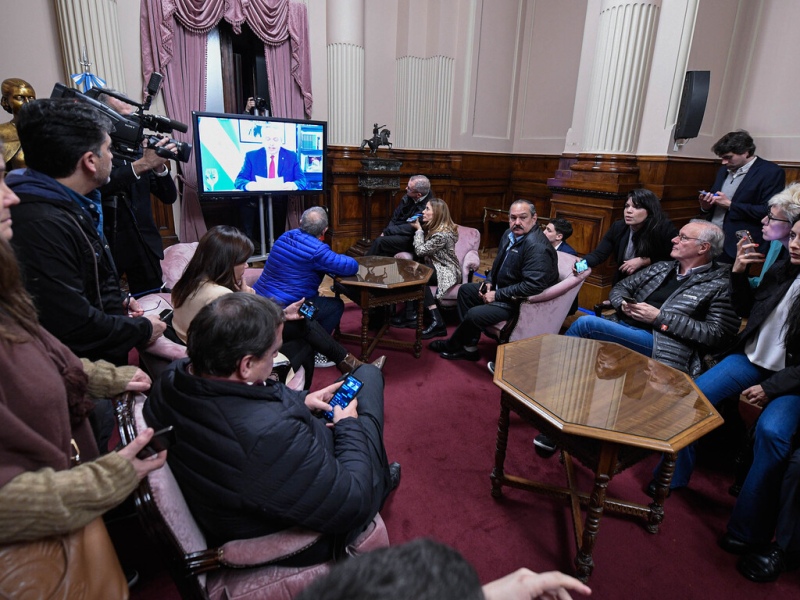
x=581 y=266
x=628 y=299
x=165 y=314
x=744 y=233
x=348 y=390
x=484 y=288
x=413 y=218
x=308 y=310
x=161 y=440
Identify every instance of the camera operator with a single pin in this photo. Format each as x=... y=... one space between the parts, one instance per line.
x=256 y=107
x=128 y=215
x=59 y=237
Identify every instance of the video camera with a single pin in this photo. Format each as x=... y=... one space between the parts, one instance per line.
x=128 y=131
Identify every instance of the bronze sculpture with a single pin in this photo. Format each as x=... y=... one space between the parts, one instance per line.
x=380 y=137
x=15 y=93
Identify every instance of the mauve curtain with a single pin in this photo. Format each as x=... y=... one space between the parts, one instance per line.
x=180 y=54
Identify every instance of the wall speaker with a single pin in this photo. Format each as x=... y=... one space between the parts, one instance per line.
x=693 y=104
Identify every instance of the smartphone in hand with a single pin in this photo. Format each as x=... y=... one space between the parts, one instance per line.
x=308 y=310
x=346 y=392
x=581 y=266
x=161 y=440
x=745 y=234
x=628 y=299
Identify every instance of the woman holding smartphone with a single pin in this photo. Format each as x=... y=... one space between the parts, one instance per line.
x=435 y=242
x=642 y=237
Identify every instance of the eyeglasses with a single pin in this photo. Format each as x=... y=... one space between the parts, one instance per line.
x=683 y=238
x=771 y=218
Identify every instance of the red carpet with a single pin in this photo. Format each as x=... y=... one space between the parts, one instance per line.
x=441 y=420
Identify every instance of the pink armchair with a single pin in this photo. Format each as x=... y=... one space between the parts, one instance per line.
x=469 y=240
x=237 y=570
x=545 y=312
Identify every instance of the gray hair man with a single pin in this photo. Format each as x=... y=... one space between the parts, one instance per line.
x=673 y=311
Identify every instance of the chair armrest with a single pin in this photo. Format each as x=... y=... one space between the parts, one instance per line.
x=405 y=255
x=268 y=548
x=472 y=263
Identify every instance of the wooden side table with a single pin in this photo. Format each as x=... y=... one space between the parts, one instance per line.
x=491 y=215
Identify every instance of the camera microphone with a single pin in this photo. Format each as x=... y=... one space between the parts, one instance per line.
x=154 y=84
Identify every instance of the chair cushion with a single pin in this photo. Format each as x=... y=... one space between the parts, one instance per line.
x=176 y=258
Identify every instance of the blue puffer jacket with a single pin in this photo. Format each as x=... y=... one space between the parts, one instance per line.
x=296 y=265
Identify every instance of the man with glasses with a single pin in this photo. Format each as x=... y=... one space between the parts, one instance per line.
x=399 y=233
x=673 y=311
x=744 y=184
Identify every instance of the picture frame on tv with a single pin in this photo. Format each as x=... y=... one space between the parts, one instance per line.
x=246 y=155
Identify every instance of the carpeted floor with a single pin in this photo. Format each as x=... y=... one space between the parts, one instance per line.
x=441 y=421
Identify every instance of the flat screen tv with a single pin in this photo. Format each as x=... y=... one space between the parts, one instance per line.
x=243 y=155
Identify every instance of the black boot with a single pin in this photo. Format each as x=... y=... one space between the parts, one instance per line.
x=436 y=328
x=408 y=318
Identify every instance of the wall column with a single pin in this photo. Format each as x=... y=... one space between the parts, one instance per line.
x=345 y=50
x=591 y=187
x=95 y=25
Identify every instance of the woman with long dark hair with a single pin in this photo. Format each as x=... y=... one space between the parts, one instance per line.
x=217 y=268
x=642 y=237
x=435 y=243
x=764 y=367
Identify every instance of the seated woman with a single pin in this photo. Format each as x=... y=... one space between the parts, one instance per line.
x=641 y=238
x=44 y=407
x=784 y=208
x=435 y=242
x=764 y=366
x=217 y=268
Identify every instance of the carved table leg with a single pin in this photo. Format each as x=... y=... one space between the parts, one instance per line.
x=663 y=479
x=420 y=327
x=497 y=475
x=584 y=563
x=364 y=332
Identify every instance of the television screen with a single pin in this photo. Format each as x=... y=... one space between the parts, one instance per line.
x=239 y=155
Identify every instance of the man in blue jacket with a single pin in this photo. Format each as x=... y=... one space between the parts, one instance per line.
x=744 y=184
x=526 y=264
x=298 y=262
x=254 y=457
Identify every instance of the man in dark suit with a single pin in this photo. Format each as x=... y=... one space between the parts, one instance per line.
x=744 y=184
x=525 y=265
x=557 y=231
x=272 y=167
x=398 y=236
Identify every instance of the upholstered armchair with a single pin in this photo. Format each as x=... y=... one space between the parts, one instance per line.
x=469 y=240
x=545 y=312
x=237 y=570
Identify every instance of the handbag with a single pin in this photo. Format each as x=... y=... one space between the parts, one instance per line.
x=80 y=565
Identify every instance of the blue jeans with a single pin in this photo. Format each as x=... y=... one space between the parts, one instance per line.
x=755 y=514
x=597 y=328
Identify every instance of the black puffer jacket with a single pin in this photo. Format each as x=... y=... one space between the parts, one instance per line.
x=68 y=269
x=253 y=460
x=525 y=269
x=757 y=304
x=696 y=319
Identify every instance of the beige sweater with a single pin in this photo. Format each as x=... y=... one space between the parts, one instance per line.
x=42 y=503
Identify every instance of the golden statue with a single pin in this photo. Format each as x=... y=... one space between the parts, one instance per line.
x=15 y=93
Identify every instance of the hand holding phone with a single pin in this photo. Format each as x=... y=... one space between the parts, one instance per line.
x=161 y=440
x=413 y=218
x=346 y=392
x=483 y=288
x=745 y=235
x=581 y=266
x=628 y=299
x=308 y=310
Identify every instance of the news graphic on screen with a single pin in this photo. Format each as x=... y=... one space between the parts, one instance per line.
x=241 y=155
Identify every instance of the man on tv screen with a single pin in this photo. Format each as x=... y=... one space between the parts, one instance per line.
x=272 y=167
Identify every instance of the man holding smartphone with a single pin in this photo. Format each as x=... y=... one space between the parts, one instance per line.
x=255 y=457
x=673 y=311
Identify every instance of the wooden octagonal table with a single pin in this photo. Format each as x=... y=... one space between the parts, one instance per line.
x=382 y=281
x=608 y=407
